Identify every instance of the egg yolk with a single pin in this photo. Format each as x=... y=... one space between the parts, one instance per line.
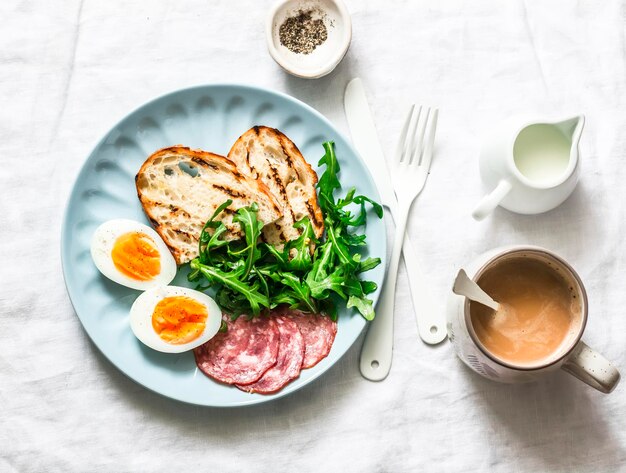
x=179 y=319
x=135 y=255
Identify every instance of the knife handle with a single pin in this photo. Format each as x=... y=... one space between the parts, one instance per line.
x=431 y=323
x=430 y=319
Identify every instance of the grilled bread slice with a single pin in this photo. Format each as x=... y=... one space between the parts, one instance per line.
x=268 y=155
x=180 y=188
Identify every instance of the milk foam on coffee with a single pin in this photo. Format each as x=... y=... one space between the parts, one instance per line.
x=540 y=312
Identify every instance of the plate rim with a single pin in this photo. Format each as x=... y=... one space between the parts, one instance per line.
x=71 y=197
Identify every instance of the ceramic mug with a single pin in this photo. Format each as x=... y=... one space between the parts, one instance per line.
x=574 y=357
x=530 y=166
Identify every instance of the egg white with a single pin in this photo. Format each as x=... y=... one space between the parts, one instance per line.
x=143 y=308
x=102 y=244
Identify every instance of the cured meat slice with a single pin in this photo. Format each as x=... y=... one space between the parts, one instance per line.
x=241 y=354
x=288 y=363
x=318 y=332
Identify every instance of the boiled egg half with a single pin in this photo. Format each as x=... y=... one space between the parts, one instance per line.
x=174 y=319
x=132 y=254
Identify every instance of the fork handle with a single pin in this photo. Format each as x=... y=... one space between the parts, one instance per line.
x=377 y=349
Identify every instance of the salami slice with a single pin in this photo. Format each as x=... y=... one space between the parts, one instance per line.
x=288 y=363
x=318 y=332
x=241 y=354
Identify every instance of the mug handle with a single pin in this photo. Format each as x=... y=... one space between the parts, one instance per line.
x=491 y=200
x=592 y=368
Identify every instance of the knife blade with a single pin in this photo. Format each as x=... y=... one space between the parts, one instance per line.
x=430 y=319
x=365 y=139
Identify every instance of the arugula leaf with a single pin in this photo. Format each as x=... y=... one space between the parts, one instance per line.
x=299 y=250
x=378 y=209
x=335 y=282
x=352 y=239
x=329 y=181
x=322 y=263
x=367 y=265
x=213 y=243
x=339 y=247
x=231 y=280
x=251 y=228
x=282 y=257
x=271 y=271
x=363 y=305
x=263 y=283
x=368 y=286
x=301 y=291
x=288 y=297
x=360 y=200
x=232 y=302
x=205 y=236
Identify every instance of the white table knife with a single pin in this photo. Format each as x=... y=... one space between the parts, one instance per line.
x=430 y=317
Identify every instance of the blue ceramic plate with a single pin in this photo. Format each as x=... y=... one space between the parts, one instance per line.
x=210 y=117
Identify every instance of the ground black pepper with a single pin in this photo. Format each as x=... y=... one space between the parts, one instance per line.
x=302 y=33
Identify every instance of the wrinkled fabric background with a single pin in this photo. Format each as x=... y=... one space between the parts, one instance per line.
x=70 y=69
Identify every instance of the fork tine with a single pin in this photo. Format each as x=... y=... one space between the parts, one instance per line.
x=430 y=140
x=419 y=148
x=403 y=135
x=411 y=147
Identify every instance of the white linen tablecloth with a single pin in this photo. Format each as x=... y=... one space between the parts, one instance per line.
x=70 y=69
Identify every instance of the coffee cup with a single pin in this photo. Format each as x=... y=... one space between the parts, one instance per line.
x=538 y=328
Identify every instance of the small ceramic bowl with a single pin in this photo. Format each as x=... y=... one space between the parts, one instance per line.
x=325 y=57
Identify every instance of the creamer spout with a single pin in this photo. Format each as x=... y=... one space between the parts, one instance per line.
x=572 y=128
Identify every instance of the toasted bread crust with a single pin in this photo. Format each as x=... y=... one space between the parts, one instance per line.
x=271 y=157
x=179 y=189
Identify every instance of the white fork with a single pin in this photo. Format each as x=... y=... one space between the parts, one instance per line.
x=409 y=171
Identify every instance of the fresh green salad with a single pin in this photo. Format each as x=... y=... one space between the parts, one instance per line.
x=251 y=276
